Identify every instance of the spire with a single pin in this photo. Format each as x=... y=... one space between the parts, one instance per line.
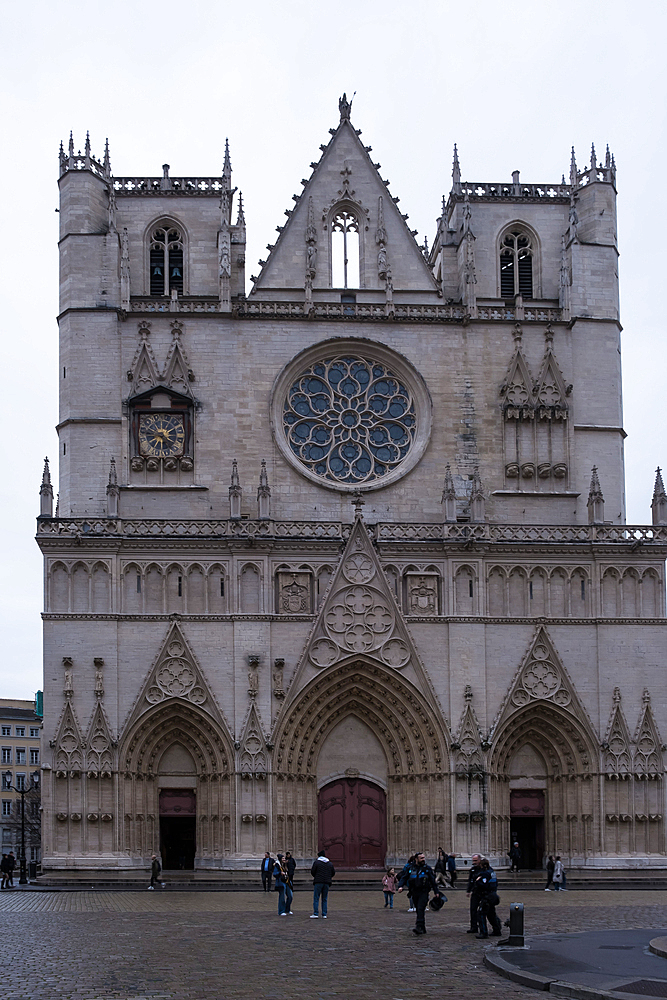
x=107 y=159
x=456 y=173
x=574 y=173
x=58 y=506
x=124 y=269
x=113 y=492
x=264 y=494
x=227 y=169
x=594 y=163
x=477 y=512
x=449 y=496
x=87 y=149
x=595 y=499
x=71 y=151
x=235 y=493
x=46 y=492
x=240 y=215
x=659 y=502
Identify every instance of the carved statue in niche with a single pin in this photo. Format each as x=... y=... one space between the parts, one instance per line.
x=253 y=683
x=69 y=684
x=278 y=667
x=382 y=261
x=99 y=679
x=311 y=260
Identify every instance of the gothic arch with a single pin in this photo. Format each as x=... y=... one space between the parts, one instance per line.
x=520 y=225
x=176 y=721
x=166 y=222
x=567 y=744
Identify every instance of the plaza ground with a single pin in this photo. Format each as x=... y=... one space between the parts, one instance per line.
x=89 y=945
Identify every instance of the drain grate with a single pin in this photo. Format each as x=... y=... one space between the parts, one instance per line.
x=616 y=947
x=644 y=988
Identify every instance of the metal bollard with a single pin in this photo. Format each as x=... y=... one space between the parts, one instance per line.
x=516 y=925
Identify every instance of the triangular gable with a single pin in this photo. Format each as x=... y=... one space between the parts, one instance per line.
x=541 y=677
x=68 y=742
x=617 y=749
x=254 y=757
x=467 y=744
x=550 y=388
x=177 y=371
x=648 y=752
x=175 y=674
x=99 y=744
x=359 y=618
x=345 y=175
x=517 y=389
x=144 y=368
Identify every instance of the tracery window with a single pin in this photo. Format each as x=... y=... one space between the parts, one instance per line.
x=166 y=261
x=345 y=250
x=516 y=265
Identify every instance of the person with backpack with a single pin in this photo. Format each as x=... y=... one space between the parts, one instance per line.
x=420 y=879
x=486 y=889
x=323 y=872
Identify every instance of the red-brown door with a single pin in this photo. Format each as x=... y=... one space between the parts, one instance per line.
x=352 y=823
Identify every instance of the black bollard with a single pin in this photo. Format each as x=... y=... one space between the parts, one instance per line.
x=516 y=925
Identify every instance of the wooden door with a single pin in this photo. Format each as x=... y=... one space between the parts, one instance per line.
x=353 y=824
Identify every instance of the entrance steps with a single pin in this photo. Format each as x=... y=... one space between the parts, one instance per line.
x=217 y=880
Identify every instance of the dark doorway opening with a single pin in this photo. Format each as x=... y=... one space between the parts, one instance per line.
x=527 y=825
x=353 y=824
x=178 y=826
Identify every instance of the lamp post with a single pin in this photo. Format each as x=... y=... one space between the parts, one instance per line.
x=34 y=782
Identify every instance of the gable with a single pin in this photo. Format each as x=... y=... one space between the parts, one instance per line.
x=345 y=177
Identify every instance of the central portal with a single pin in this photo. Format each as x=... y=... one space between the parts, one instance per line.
x=352 y=823
x=178 y=819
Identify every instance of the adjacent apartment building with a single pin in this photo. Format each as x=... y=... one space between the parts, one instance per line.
x=20 y=729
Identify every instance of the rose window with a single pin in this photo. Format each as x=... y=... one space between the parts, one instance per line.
x=350 y=420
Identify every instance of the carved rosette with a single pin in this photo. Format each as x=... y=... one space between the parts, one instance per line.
x=541 y=680
x=175 y=678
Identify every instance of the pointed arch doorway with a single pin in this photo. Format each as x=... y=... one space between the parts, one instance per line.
x=352 y=823
x=178 y=808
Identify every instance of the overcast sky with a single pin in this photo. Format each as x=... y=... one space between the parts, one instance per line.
x=515 y=85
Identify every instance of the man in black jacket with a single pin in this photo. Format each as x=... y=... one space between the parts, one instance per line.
x=323 y=872
x=420 y=879
x=266 y=870
x=475 y=897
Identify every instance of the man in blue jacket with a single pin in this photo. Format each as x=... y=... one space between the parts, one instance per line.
x=420 y=879
x=266 y=870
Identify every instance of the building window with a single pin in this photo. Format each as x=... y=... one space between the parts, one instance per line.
x=6 y=836
x=516 y=265
x=6 y=807
x=20 y=755
x=345 y=250
x=34 y=755
x=34 y=853
x=20 y=782
x=6 y=730
x=6 y=755
x=20 y=730
x=34 y=732
x=6 y=782
x=166 y=261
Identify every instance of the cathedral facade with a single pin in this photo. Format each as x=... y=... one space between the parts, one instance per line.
x=343 y=562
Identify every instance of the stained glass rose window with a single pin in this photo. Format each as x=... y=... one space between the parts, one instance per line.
x=351 y=419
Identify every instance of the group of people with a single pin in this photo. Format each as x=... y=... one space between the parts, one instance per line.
x=281 y=871
x=7 y=866
x=483 y=891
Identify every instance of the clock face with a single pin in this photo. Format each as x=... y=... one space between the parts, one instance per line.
x=161 y=435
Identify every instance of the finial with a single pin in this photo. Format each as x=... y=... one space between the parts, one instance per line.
x=549 y=337
x=594 y=162
x=595 y=501
x=449 y=496
x=240 y=215
x=235 y=492
x=574 y=173
x=263 y=493
x=517 y=335
x=71 y=146
x=46 y=492
x=477 y=503
x=357 y=499
x=107 y=159
x=87 y=146
x=456 y=172
x=617 y=696
x=595 y=490
x=227 y=167
x=46 y=474
x=345 y=107
x=58 y=505
x=607 y=159
x=646 y=697
x=659 y=501
x=113 y=491
x=467 y=692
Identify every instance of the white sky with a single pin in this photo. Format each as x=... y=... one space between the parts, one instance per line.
x=515 y=85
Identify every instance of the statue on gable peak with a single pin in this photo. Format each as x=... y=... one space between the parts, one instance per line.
x=345 y=107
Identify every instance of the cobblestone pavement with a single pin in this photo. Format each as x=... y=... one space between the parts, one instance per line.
x=225 y=945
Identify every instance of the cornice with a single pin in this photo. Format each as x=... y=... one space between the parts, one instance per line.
x=410 y=619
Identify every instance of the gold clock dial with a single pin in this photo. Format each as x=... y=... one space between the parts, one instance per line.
x=161 y=435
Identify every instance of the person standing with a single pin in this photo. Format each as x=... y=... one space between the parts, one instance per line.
x=266 y=870
x=323 y=872
x=487 y=890
x=4 y=868
x=451 y=870
x=421 y=879
x=156 y=868
x=470 y=890
x=12 y=865
x=291 y=868
x=282 y=882
x=389 y=888
x=441 y=867
x=514 y=854
x=551 y=864
x=405 y=872
x=559 y=874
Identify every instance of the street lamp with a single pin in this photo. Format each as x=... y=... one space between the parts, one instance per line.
x=34 y=782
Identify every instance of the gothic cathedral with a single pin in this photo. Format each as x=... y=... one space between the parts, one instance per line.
x=343 y=562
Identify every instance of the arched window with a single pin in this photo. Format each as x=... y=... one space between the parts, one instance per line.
x=166 y=262
x=516 y=265
x=344 y=250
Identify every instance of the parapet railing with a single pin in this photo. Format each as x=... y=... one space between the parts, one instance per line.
x=382 y=531
x=206 y=186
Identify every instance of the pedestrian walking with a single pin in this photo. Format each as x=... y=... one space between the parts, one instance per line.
x=12 y=866
x=559 y=875
x=420 y=879
x=323 y=872
x=514 y=854
x=440 y=867
x=551 y=864
x=487 y=891
x=470 y=890
x=266 y=871
x=451 y=870
x=156 y=868
x=4 y=869
x=283 y=887
x=389 y=880
x=406 y=867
